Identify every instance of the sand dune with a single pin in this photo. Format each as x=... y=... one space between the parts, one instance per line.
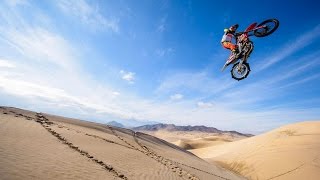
x=42 y=146
x=290 y=152
x=194 y=139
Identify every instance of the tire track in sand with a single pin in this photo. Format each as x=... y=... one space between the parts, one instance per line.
x=145 y=150
x=44 y=122
x=164 y=161
x=288 y=172
x=136 y=134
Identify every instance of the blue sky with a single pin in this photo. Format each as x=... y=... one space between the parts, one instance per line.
x=159 y=60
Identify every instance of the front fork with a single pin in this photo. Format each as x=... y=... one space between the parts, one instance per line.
x=242 y=59
x=246 y=54
x=239 y=68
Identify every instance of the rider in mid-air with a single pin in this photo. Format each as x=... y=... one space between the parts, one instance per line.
x=227 y=38
x=241 y=46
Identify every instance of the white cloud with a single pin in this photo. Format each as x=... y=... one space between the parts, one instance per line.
x=45 y=69
x=88 y=14
x=55 y=96
x=204 y=104
x=128 y=76
x=40 y=45
x=30 y=42
x=115 y=93
x=176 y=97
x=30 y=89
x=6 y=63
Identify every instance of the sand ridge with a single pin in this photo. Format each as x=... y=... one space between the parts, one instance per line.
x=291 y=152
x=195 y=139
x=46 y=124
x=81 y=140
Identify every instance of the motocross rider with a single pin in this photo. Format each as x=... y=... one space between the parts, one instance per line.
x=227 y=38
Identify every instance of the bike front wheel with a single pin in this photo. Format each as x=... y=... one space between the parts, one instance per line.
x=240 y=72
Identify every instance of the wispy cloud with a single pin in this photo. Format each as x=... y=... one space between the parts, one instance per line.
x=291 y=47
x=14 y=3
x=161 y=52
x=295 y=69
x=40 y=45
x=89 y=15
x=271 y=87
x=194 y=81
x=45 y=68
x=202 y=104
x=29 y=89
x=115 y=93
x=6 y=63
x=162 y=24
x=128 y=76
x=301 y=81
x=44 y=94
x=176 y=97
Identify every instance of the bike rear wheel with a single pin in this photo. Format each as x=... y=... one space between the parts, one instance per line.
x=239 y=73
x=270 y=26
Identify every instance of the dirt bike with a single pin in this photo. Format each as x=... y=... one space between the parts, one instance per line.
x=241 y=69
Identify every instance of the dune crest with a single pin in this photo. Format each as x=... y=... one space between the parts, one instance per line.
x=291 y=152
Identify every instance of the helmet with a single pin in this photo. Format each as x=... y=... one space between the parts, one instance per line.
x=233 y=28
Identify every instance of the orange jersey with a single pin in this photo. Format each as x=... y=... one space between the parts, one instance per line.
x=229 y=45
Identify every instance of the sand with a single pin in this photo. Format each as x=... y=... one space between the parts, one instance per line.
x=42 y=146
x=291 y=152
x=195 y=139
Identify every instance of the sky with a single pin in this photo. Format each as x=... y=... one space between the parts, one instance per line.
x=159 y=61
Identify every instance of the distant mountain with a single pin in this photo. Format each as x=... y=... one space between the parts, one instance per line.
x=116 y=124
x=131 y=123
x=172 y=127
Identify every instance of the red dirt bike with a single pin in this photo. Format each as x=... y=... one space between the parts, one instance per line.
x=241 y=69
